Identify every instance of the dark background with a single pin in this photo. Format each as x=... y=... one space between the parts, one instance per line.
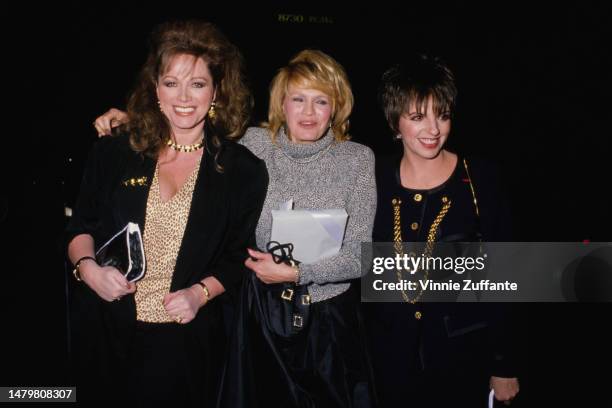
x=534 y=91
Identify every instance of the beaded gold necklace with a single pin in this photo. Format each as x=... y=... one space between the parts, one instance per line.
x=185 y=148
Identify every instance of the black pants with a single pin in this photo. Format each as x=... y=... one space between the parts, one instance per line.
x=158 y=372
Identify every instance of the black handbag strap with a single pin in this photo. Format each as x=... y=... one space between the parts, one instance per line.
x=281 y=253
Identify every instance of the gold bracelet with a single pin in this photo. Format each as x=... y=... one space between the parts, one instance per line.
x=75 y=271
x=297 y=271
x=205 y=289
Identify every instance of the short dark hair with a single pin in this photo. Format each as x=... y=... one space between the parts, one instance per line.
x=413 y=82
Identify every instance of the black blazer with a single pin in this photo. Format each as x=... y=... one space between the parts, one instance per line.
x=224 y=211
x=475 y=338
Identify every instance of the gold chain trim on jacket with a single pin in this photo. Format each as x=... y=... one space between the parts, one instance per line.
x=429 y=245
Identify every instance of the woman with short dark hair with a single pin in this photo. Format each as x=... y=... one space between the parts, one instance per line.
x=426 y=353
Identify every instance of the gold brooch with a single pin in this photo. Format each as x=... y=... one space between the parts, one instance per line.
x=135 y=181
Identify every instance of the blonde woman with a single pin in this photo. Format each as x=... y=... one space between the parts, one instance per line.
x=310 y=160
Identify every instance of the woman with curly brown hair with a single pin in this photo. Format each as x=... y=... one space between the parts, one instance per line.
x=197 y=196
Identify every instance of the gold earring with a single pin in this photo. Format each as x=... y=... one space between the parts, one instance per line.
x=159 y=104
x=211 y=112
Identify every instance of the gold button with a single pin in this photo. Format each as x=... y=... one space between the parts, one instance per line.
x=418 y=315
x=414 y=226
x=418 y=197
x=396 y=201
x=445 y=199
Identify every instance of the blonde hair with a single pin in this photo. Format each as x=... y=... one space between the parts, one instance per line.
x=317 y=70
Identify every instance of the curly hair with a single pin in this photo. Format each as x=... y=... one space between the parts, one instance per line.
x=148 y=127
x=312 y=69
x=412 y=83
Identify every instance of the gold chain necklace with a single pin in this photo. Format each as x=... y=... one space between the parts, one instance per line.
x=429 y=245
x=185 y=148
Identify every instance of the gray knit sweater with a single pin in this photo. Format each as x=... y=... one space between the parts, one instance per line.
x=321 y=175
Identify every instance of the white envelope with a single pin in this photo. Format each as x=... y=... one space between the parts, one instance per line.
x=315 y=234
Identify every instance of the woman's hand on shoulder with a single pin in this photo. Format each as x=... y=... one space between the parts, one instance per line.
x=106 y=281
x=110 y=119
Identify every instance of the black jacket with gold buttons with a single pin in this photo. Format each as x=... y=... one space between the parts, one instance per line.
x=470 y=338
